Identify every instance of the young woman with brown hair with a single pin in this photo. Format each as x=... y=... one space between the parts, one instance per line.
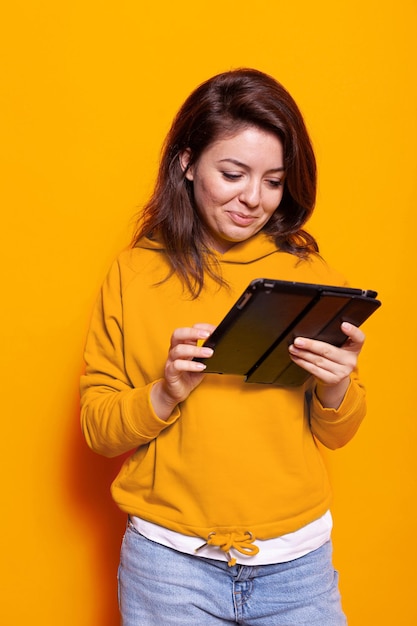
x=226 y=494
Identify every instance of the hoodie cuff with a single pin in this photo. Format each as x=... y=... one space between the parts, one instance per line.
x=350 y=405
x=142 y=416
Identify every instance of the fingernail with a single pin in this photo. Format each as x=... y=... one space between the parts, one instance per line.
x=298 y=341
x=207 y=351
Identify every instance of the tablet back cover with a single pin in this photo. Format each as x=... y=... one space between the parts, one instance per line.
x=253 y=338
x=322 y=322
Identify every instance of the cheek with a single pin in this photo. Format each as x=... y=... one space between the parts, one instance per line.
x=278 y=198
x=209 y=195
x=272 y=205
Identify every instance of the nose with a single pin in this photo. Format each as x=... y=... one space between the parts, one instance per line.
x=251 y=194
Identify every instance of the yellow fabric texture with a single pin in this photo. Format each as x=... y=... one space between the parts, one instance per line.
x=235 y=462
x=243 y=543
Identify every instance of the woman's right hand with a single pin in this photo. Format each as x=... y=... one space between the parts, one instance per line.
x=182 y=374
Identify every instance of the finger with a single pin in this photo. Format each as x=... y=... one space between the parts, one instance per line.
x=314 y=362
x=312 y=350
x=180 y=366
x=187 y=351
x=355 y=335
x=175 y=369
x=354 y=343
x=323 y=355
x=205 y=327
x=323 y=369
x=189 y=335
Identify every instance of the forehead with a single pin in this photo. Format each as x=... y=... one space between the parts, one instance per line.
x=249 y=141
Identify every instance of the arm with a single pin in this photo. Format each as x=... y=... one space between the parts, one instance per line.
x=181 y=373
x=116 y=415
x=338 y=403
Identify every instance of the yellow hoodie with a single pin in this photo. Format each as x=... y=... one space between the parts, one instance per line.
x=234 y=458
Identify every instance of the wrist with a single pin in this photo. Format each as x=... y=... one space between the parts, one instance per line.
x=162 y=402
x=331 y=396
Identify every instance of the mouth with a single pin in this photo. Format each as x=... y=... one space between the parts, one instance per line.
x=241 y=219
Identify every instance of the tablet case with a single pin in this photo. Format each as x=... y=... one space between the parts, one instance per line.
x=253 y=338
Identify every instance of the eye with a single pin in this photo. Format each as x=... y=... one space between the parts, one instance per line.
x=274 y=183
x=231 y=176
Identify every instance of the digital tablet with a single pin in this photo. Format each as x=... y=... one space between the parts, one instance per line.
x=252 y=340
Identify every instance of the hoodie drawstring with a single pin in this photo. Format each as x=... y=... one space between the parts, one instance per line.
x=242 y=542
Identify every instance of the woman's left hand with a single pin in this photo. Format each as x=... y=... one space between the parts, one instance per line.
x=331 y=366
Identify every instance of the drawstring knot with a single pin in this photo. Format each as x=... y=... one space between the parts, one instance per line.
x=242 y=542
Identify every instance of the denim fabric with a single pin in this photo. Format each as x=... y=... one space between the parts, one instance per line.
x=159 y=586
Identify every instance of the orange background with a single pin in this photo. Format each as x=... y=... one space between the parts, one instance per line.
x=87 y=92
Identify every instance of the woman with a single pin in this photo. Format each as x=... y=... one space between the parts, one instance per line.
x=226 y=494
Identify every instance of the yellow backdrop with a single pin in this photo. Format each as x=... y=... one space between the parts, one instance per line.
x=87 y=92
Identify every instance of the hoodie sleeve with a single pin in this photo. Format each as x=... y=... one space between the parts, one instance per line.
x=334 y=428
x=116 y=417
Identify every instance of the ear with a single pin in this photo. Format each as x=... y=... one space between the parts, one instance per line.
x=185 y=158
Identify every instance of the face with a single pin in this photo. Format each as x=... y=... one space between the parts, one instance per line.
x=238 y=184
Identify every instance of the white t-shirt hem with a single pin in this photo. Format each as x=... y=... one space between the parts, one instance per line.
x=277 y=550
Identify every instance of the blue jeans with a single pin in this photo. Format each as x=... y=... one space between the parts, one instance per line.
x=159 y=586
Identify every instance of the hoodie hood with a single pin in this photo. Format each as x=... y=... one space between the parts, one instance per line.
x=257 y=247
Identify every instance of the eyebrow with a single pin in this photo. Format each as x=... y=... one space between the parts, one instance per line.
x=240 y=164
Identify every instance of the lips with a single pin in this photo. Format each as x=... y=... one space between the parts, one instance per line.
x=241 y=219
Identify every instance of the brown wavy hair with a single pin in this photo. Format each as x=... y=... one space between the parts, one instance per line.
x=218 y=108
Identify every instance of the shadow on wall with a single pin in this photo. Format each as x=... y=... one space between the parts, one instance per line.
x=89 y=477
